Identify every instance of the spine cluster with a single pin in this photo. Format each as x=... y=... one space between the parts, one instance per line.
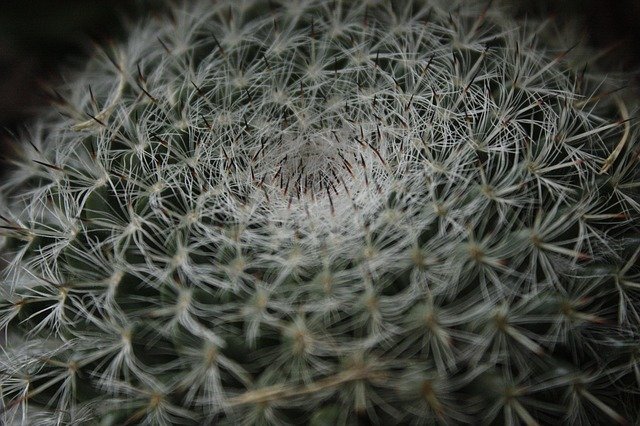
x=324 y=212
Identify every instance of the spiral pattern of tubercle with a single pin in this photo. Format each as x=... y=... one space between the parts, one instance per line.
x=324 y=212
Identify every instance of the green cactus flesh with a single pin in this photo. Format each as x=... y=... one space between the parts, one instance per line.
x=317 y=212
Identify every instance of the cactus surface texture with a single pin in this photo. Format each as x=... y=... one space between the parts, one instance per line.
x=326 y=213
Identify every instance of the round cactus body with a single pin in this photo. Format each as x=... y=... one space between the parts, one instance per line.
x=325 y=212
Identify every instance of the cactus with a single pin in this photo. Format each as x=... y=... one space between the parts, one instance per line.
x=325 y=212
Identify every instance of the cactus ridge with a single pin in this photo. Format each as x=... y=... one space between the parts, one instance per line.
x=325 y=212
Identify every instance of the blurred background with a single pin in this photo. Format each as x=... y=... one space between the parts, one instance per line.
x=37 y=37
x=604 y=24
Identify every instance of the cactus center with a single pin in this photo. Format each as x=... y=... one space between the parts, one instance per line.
x=310 y=166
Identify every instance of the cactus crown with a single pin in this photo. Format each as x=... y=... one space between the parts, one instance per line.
x=329 y=212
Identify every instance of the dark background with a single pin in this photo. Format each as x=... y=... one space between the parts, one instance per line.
x=37 y=37
x=604 y=24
